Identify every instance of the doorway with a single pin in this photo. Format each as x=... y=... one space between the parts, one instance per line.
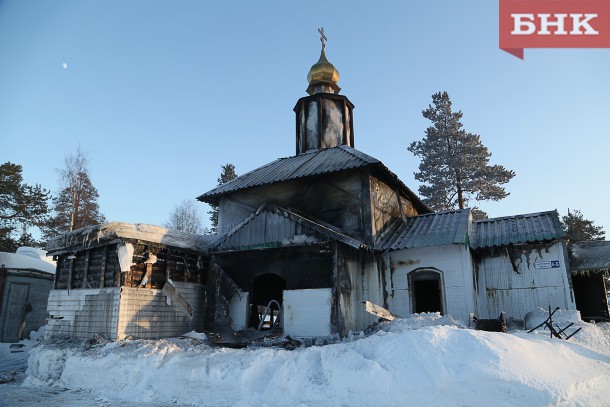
x=426 y=289
x=266 y=302
x=590 y=295
x=15 y=314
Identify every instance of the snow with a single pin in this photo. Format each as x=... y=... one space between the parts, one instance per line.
x=138 y=231
x=26 y=259
x=424 y=359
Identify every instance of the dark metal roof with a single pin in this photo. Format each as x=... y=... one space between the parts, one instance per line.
x=533 y=227
x=591 y=255
x=434 y=229
x=319 y=162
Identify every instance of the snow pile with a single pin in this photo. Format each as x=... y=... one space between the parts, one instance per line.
x=14 y=356
x=21 y=261
x=424 y=359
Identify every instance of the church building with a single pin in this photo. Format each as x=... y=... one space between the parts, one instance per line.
x=303 y=242
x=318 y=233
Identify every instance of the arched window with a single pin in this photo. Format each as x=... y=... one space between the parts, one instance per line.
x=426 y=290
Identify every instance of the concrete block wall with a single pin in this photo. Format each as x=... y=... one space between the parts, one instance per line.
x=501 y=289
x=83 y=313
x=145 y=313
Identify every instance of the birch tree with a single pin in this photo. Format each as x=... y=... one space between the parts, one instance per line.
x=186 y=217
x=76 y=204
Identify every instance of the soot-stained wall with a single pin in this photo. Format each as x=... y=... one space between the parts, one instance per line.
x=338 y=199
x=301 y=267
x=521 y=278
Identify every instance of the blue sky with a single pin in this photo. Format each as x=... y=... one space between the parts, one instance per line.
x=160 y=94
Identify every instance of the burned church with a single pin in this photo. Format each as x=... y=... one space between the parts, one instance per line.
x=302 y=243
x=320 y=232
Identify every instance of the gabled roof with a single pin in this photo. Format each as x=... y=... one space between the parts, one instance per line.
x=533 y=227
x=318 y=162
x=433 y=229
x=271 y=226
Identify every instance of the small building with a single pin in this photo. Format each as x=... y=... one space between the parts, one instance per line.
x=26 y=277
x=121 y=280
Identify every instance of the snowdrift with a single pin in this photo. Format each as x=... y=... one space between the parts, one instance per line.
x=421 y=360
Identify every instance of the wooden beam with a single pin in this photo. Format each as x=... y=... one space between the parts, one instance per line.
x=103 y=268
x=170 y=291
x=379 y=311
x=86 y=269
x=70 y=271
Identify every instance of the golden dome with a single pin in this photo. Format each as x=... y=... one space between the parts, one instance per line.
x=323 y=73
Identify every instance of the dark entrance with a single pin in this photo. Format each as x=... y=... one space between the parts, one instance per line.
x=590 y=295
x=267 y=292
x=426 y=291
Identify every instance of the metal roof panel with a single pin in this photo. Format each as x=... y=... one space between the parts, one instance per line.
x=433 y=229
x=533 y=227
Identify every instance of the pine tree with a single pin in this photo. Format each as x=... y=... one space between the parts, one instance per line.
x=21 y=206
x=454 y=166
x=227 y=174
x=578 y=229
x=75 y=205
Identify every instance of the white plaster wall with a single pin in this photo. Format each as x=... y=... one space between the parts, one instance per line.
x=503 y=290
x=83 y=313
x=455 y=263
x=239 y=310
x=307 y=312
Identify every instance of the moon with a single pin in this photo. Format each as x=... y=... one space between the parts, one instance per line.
x=65 y=65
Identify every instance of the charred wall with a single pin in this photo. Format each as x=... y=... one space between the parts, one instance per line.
x=356 y=202
x=387 y=204
x=338 y=199
x=301 y=267
x=517 y=279
x=91 y=268
x=177 y=265
x=98 y=267
x=358 y=276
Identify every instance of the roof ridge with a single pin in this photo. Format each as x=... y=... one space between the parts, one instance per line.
x=351 y=150
x=521 y=215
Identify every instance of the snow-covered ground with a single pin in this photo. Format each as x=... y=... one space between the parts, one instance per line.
x=421 y=360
